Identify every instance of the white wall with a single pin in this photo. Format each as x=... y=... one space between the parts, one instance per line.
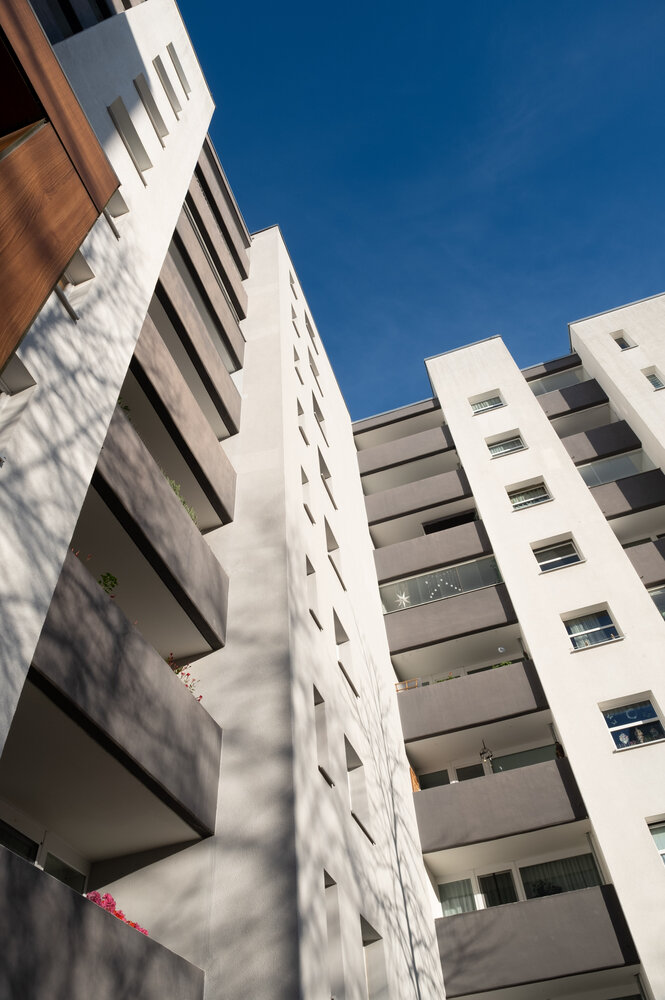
x=79 y=367
x=620 y=789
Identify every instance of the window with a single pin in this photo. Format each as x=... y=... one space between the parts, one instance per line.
x=322 y=752
x=591 y=630
x=150 y=105
x=658 y=597
x=457 y=897
x=312 y=593
x=558 y=380
x=376 y=976
x=497 y=888
x=655 y=380
x=564 y=875
x=125 y=128
x=17 y=842
x=310 y=330
x=165 y=81
x=555 y=556
x=657 y=831
x=433 y=779
x=609 y=470
x=177 y=65
x=439 y=584
x=506 y=446
x=469 y=772
x=633 y=725
x=306 y=495
x=301 y=422
x=320 y=419
x=466 y=517
x=530 y=496
x=523 y=758
x=357 y=784
x=621 y=342
x=488 y=403
x=324 y=472
x=292 y=282
x=334 y=553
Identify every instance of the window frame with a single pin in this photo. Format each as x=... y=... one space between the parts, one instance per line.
x=637 y=724
x=477 y=405
x=543 y=566
x=527 y=489
x=593 y=629
x=656 y=827
x=504 y=441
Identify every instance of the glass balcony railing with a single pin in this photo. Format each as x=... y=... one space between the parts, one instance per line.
x=439 y=584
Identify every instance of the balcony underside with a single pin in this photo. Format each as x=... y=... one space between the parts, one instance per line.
x=417 y=555
x=559 y=402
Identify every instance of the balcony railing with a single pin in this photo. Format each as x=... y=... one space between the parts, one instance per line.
x=439 y=584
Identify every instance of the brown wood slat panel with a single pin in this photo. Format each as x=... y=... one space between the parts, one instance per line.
x=45 y=213
x=33 y=51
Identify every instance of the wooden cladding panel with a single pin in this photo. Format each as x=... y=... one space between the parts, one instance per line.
x=39 y=63
x=45 y=213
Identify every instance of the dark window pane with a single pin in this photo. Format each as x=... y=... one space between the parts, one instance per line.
x=565 y=875
x=470 y=771
x=64 y=873
x=17 y=842
x=433 y=779
x=498 y=888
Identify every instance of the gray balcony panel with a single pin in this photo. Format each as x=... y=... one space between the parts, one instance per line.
x=449 y=618
x=57 y=944
x=406 y=449
x=550 y=367
x=86 y=646
x=601 y=442
x=572 y=398
x=529 y=942
x=226 y=262
x=224 y=205
x=417 y=555
x=417 y=496
x=213 y=292
x=634 y=493
x=136 y=491
x=171 y=397
x=649 y=561
x=183 y=313
x=498 y=805
x=474 y=700
x=393 y=416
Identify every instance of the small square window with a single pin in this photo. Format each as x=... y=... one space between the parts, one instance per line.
x=634 y=724
x=591 y=629
x=506 y=446
x=657 y=831
x=555 y=556
x=530 y=496
x=486 y=403
x=655 y=380
x=622 y=341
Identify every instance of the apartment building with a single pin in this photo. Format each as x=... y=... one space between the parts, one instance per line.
x=198 y=719
x=518 y=521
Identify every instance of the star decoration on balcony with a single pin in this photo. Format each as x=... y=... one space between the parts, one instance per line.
x=403 y=600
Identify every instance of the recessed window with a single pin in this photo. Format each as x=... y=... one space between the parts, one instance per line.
x=505 y=446
x=292 y=282
x=433 y=779
x=150 y=105
x=563 y=875
x=321 y=726
x=591 y=629
x=457 y=897
x=635 y=724
x=357 y=784
x=658 y=597
x=125 y=128
x=657 y=831
x=177 y=65
x=654 y=379
x=165 y=81
x=497 y=888
x=530 y=496
x=486 y=403
x=555 y=556
x=621 y=341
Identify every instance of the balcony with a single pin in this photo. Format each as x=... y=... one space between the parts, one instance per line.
x=407 y=449
x=417 y=555
x=440 y=621
x=397 y=424
x=601 y=442
x=498 y=805
x=649 y=561
x=548 y=368
x=133 y=526
x=87 y=644
x=475 y=700
x=418 y=496
x=548 y=938
x=560 y=402
x=56 y=943
x=631 y=494
x=166 y=416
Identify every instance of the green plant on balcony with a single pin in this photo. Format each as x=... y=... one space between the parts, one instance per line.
x=183 y=674
x=124 y=406
x=177 y=490
x=108 y=582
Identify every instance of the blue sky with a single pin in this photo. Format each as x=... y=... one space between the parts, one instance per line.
x=443 y=171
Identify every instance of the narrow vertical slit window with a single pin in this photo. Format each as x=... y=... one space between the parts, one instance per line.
x=322 y=747
x=150 y=105
x=301 y=423
x=310 y=330
x=357 y=785
x=169 y=90
x=334 y=937
x=312 y=593
x=376 y=976
x=306 y=495
x=344 y=653
x=180 y=73
x=654 y=378
x=125 y=128
x=326 y=479
x=334 y=553
x=318 y=416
